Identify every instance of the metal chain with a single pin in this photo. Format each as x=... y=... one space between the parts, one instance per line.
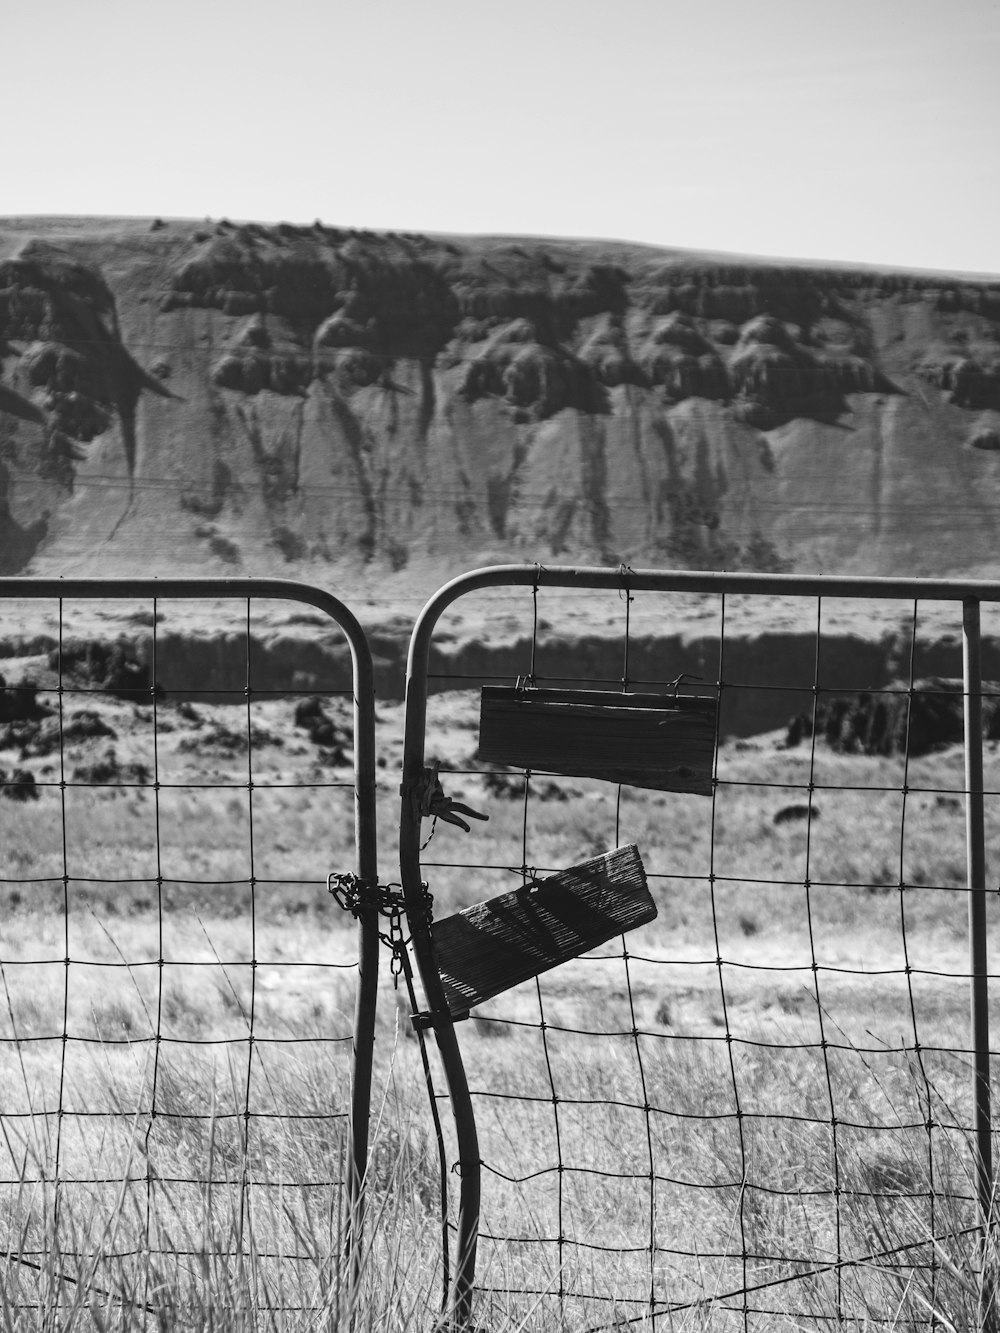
x=354 y=894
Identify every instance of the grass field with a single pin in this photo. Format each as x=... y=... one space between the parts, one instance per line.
x=770 y=1078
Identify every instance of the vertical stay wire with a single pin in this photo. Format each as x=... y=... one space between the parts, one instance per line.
x=432 y=1101
x=534 y=628
x=636 y=1040
x=737 y=1103
x=560 y=1166
x=814 y=965
x=158 y=1036
x=526 y=876
x=245 y=1172
x=925 y=1084
x=57 y=1166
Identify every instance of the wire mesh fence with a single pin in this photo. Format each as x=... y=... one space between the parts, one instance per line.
x=178 y=990
x=762 y=1106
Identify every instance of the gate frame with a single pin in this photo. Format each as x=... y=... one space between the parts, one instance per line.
x=365 y=831
x=970 y=593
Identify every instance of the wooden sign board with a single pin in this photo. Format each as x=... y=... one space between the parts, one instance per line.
x=494 y=945
x=643 y=740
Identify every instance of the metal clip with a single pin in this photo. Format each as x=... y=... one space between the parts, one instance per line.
x=432 y=803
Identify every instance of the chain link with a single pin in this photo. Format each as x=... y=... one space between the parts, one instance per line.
x=354 y=894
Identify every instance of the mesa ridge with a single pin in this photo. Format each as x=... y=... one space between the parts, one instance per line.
x=338 y=404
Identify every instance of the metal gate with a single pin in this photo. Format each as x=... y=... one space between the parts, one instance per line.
x=775 y=1102
x=185 y=1104
x=767 y=1103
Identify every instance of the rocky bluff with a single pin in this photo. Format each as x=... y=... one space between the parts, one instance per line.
x=339 y=405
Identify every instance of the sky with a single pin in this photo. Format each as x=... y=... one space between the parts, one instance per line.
x=857 y=130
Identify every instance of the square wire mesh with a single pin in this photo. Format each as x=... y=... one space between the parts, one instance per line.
x=761 y=1104
x=177 y=985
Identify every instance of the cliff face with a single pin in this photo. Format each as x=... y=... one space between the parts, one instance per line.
x=323 y=403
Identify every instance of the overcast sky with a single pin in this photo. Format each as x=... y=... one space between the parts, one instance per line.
x=859 y=130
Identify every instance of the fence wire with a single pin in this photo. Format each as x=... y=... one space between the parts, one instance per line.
x=178 y=988
x=761 y=1105
x=760 y=1108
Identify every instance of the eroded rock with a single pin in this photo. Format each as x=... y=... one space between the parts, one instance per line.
x=893 y=721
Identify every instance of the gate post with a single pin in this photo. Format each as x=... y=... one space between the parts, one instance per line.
x=978 y=966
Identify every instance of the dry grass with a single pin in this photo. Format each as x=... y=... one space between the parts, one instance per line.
x=156 y=1157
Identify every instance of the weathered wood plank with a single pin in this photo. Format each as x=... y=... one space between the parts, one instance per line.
x=643 y=740
x=491 y=946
